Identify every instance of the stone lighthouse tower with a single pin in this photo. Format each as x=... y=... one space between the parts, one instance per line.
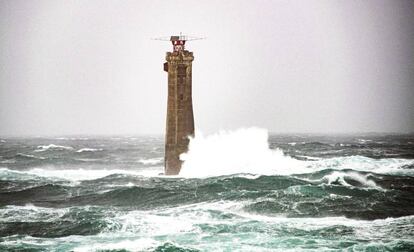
x=180 y=119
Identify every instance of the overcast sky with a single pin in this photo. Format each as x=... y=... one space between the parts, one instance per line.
x=90 y=67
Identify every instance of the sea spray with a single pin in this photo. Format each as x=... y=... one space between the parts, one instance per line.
x=244 y=150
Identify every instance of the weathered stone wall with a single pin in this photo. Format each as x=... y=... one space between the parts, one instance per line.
x=180 y=119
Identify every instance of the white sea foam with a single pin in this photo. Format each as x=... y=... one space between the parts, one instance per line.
x=10 y=174
x=88 y=150
x=88 y=159
x=341 y=176
x=247 y=151
x=30 y=156
x=198 y=226
x=362 y=141
x=189 y=218
x=140 y=244
x=308 y=157
x=41 y=148
x=359 y=163
x=151 y=161
x=186 y=218
x=233 y=152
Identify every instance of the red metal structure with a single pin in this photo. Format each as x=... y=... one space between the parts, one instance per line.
x=178 y=42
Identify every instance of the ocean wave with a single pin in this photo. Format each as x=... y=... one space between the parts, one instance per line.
x=29 y=156
x=151 y=161
x=41 y=148
x=263 y=197
x=31 y=213
x=8 y=161
x=350 y=179
x=16 y=175
x=205 y=226
x=302 y=157
x=88 y=160
x=267 y=195
x=395 y=166
x=247 y=151
x=88 y=150
x=285 y=166
x=73 y=174
x=363 y=141
x=72 y=138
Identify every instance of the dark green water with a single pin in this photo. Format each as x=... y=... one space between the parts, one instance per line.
x=323 y=193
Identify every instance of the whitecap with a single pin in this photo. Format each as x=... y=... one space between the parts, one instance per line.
x=88 y=159
x=362 y=141
x=341 y=176
x=309 y=157
x=393 y=166
x=41 y=148
x=30 y=156
x=88 y=150
x=151 y=161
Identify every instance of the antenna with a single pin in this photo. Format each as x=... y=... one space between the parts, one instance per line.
x=178 y=41
x=182 y=37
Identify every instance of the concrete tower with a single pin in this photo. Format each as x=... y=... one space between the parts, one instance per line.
x=180 y=119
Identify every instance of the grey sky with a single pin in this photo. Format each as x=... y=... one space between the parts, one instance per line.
x=89 y=67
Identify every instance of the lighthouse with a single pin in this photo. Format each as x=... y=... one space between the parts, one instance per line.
x=180 y=118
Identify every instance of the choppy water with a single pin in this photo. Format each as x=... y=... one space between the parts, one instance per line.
x=316 y=193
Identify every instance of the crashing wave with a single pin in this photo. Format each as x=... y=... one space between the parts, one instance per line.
x=233 y=152
x=349 y=178
x=41 y=148
x=247 y=151
x=88 y=150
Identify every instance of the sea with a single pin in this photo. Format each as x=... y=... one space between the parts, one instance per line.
x=240 y=190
